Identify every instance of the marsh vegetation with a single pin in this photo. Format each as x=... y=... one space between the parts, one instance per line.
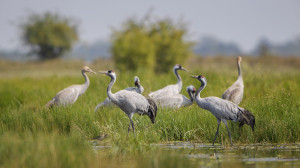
x=32 y=136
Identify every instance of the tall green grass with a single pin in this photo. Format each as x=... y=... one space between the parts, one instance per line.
x=30 y=132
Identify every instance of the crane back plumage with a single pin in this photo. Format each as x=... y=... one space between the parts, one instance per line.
x=170 y=89
x=236 y=91
x=222 y=109
x=70 y=94
x=131 y=102
x=177 y=100
x=138 y=89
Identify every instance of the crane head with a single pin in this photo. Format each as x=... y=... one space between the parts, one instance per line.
x=179 y=67
x=199 y=77
x=109 y=73
x=239 y=59
x=191 y=88
x=87 y=69
x=136 y=81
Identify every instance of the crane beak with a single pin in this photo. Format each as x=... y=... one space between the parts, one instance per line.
x=102 y=72
x=193 y=76
x=184 y=70
x=93 y=72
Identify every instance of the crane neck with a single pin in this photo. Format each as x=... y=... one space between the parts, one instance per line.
x=191 y=96
x=109 y=93
x=239 y=69
x=197 y=95
x=141 y=88
x=179 y=80
x=86 y=84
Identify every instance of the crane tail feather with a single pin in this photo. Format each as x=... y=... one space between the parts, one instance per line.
x=152 y=111
x=247 y=118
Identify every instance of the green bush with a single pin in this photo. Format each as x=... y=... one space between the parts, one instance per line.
x=132 y=47
x=154 y=46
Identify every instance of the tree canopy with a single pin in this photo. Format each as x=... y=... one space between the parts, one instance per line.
x=49 y=35
x=155 y=46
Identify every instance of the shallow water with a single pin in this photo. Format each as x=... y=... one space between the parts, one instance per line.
x=251 y=155
x=254 y=154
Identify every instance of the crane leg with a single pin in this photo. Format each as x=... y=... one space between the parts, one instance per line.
x=129 y=127
x=219 y=121
x=229 y=134
x=131 y=123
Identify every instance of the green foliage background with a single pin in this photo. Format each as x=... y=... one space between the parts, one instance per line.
x=153 y=46
x=49 y=35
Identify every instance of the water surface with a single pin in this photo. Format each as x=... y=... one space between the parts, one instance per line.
x=250 y=155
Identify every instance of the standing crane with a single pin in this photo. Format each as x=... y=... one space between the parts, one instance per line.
x=70 y=94
x=177 y=100
x=223 y=110
x=170 y=89
x=236 y=91
x=130 y=102
x=138 y=89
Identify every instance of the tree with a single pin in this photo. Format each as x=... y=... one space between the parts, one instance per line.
x=132 y=48
x=49 y=35
x=170 y=46
x=149 y=45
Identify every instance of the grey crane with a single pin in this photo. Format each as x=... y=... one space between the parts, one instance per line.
x=170 y=89
x=223 y=110
x=177 y=100
x=138 y=89
x=70 y=94
x=236 y=91
x=130 y=102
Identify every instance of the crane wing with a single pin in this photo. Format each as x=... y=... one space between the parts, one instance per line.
x=133 y=89
x=220 y=108
x=131 y=101
x=235 y=92
x=236 y=95
x=166 y=91
x=66 y=96
x=174 y=101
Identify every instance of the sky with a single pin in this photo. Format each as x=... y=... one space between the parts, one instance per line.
x=243 y=22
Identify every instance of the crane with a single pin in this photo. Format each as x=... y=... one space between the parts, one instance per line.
x=223 y=110
x=70 y=94
x=170 y=89
x=138 y=89
x=235 y=92
x=130 y=102
x=177 y=100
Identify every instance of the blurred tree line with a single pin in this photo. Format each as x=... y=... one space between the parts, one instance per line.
x=138 y=45
x=150 y=45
